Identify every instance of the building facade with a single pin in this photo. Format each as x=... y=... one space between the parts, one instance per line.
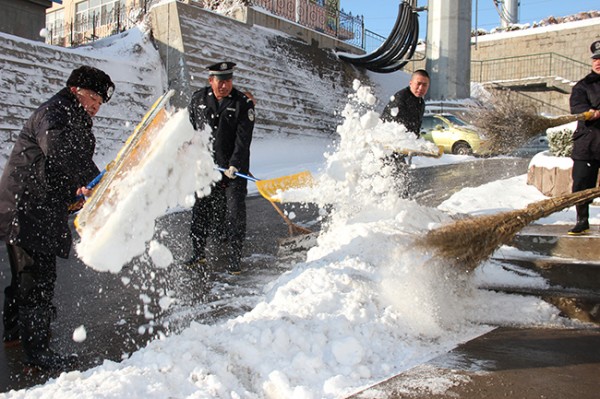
x=23 y=18
x=75 y=22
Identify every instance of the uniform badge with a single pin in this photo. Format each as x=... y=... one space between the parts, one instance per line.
x=251 y=114
x=224 y=66
x=109 y=92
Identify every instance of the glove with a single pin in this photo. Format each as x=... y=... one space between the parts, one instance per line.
x=231 y=172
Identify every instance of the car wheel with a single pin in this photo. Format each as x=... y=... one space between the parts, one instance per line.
x=462 y=148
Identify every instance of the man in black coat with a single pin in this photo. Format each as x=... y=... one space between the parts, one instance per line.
x=49 y=166
x=229 y=114
x=585 y=96
x=408 y=106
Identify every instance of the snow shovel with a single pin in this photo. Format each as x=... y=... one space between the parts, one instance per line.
x=408 y=154
x=269 y=190
x=74 y=207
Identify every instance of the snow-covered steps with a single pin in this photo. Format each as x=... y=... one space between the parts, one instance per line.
x=299 y=87
x=553 y=240
x=32 y=72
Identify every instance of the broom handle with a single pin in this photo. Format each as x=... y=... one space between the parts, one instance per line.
x=560 y=120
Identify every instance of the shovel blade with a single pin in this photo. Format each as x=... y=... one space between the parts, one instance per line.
x=271 y=188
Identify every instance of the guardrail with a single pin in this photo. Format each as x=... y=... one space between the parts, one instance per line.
x=100 y=22
x=318 y=16
x=526 y=66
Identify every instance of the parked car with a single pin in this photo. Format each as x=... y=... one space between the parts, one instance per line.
x=451 y=133
x=535 y=145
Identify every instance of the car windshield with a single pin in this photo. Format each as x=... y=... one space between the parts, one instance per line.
x=455 y=120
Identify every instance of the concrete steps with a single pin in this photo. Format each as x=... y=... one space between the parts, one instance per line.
x=32 y=72
x=569 y=264
x=299 y=87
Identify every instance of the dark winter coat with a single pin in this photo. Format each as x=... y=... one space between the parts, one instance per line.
x=51 y=159
x=231 y=123
x=410 y=110
x=586 y=138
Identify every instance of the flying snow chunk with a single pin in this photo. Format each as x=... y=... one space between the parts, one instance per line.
x=161 y=256
x=79 y=335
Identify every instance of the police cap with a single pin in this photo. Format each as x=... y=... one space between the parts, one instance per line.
x=221 y=70
x=595 y=49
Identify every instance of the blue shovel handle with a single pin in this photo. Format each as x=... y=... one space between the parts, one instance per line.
x=239 y=174
x=91 y=185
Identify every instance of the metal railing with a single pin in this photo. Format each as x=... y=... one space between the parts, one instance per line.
x=322 y=18
x=524 y=99
x=90 y=27
x=372 y=41
x=527 y=66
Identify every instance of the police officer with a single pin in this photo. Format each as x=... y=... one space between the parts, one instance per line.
x=407 y=106
x=229 y=115
x=585 y=96
x=50 y=164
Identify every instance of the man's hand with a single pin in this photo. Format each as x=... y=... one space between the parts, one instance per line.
x=231 y=172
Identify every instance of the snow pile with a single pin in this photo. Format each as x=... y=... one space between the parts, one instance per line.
x=177 y=164
x=362 y=165
x=551 y=20
x=364 y=305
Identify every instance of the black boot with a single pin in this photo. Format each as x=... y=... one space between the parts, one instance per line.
x=35 y=339
x=235 y=257
x=10 y=318
x=581 y=227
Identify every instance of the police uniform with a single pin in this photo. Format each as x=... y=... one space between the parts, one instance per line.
x=586 y=140
x=222 y=214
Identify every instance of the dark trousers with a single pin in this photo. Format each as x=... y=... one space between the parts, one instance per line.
x=585 y=175
x=31 y=289
x=221 y=215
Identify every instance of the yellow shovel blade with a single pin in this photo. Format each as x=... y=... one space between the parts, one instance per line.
x=270 y=188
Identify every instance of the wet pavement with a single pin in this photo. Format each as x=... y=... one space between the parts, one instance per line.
x=121 y=312
x=524 y=363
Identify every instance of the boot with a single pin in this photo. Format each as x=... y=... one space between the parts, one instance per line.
x=581 y=227
x=10 y=318
x=34 y=325
x=235 y=257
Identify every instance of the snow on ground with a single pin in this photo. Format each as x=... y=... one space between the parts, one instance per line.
x=365 y=304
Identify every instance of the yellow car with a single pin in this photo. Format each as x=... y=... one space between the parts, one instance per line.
x=454 y=135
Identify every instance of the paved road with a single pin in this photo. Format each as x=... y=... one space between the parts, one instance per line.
x=519 y=363
x=112 y=307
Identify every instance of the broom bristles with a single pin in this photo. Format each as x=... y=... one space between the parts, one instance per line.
x=468 y=242
x=508 y=125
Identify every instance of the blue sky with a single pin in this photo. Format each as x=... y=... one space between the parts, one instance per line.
x=380 y=15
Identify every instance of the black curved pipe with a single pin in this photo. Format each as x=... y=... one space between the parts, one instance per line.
x=399 y=49
x=390 y=56
x=400 y=63
x=400 y=21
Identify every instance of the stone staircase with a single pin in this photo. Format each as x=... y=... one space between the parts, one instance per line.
x=299 y=87
x=32 y=72
x=569 y=264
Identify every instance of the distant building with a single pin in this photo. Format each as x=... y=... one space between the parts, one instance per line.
x=74 y=22
x=80 y=21
x=24 y=18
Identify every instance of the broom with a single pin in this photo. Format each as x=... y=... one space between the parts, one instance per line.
x=468 y=242
x=507 y=126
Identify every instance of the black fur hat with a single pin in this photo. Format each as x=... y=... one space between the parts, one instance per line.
x=87 y=77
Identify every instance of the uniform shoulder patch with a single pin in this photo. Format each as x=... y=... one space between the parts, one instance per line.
x=251 y=114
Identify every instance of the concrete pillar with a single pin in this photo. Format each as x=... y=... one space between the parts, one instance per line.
x=448 y=49
x=510 y=12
